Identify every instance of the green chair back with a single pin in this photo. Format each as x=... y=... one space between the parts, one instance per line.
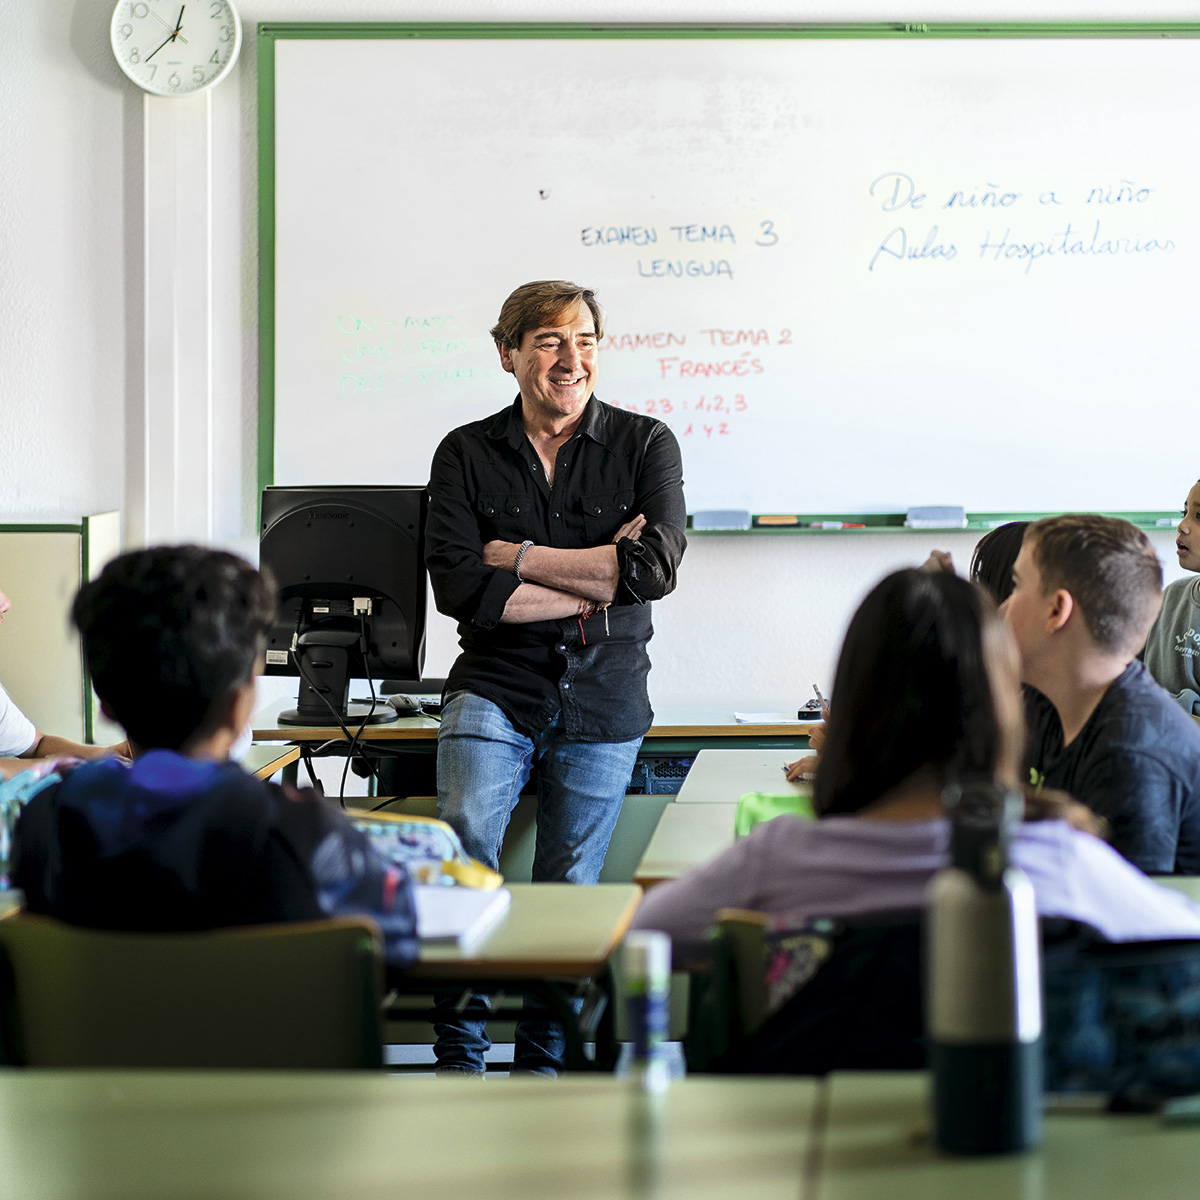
x=296 y=995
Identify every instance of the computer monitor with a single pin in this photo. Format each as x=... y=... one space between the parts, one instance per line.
x=349 y=562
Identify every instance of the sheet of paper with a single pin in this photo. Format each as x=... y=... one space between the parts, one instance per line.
x=767 y=718
x=457 y=914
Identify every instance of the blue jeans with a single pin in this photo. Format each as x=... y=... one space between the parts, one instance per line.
x=483 y=763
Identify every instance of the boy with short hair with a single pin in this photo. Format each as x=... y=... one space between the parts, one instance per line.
x=1172 y=652
x=1086 y=590
x=182 y=838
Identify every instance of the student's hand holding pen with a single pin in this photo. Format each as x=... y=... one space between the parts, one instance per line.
x=806 y=767
x=802 y=770
x=816 y=735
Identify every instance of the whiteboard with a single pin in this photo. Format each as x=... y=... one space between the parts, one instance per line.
x=852 y=274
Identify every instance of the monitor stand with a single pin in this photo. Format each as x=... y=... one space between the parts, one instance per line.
x=353 y=714
x=324 y=661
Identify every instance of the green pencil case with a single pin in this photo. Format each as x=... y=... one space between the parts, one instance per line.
x=755 y=807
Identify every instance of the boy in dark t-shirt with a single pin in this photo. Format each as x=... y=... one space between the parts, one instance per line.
x=183 y=839
x=1086 y=590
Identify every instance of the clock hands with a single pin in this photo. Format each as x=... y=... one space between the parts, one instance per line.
x=166 y=25
x=174 y=34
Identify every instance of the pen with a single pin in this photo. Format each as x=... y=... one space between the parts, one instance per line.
x=837 y=525
x=823 y=703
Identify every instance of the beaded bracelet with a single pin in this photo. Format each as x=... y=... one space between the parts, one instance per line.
x=517 y=561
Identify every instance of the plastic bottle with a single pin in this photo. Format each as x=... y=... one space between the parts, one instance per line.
x=984 y=993
x=646 y=970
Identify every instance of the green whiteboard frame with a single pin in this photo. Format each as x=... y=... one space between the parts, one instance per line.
x=271 y=32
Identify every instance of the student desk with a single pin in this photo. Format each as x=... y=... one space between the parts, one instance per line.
x=699 y=825
x=874 y=1149
x=1187 y=885
x=551 y=941
x=677 y=730
x=263 y=761
x=699 y=724
x=346 y=1136
x=719 y=776
x=687 y=835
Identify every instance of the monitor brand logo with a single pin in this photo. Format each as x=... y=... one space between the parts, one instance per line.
x=315 y=514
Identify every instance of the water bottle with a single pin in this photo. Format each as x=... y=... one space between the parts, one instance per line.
x=646 y=968
x=984 y=988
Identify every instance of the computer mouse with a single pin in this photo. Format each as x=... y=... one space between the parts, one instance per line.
x=406 y=706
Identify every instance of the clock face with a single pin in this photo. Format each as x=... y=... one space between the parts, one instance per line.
x=175 y=47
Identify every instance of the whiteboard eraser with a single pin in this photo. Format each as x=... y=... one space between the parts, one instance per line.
x=936 y=516
x=722 y=518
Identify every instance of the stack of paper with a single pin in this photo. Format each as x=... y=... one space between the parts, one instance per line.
x=457 y=915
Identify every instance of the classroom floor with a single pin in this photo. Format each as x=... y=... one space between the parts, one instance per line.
x=410 y=1059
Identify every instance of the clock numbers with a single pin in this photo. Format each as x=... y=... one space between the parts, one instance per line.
x=194 y=52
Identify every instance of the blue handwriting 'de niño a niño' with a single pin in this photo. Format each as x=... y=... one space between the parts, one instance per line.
x=896 y=191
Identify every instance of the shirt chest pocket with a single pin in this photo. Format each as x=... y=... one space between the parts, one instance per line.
x=604 y=513
x=507 y=516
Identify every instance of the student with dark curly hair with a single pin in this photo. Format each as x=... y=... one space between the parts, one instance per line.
x=182 y=838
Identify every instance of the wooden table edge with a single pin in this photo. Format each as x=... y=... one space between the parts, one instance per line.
x=287 y=756
x=516 y=968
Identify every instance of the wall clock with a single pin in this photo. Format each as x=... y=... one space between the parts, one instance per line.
x=176 y=47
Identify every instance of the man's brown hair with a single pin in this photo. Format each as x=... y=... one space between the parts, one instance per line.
x=542 y=304
x=1110 y=569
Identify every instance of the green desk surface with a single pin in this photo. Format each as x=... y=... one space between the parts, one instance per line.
x=876 y=1147
x=687 y=835
x=262 y=761
x=551 y=930
x=719 y=776
x=1189 y=885
x=135 y=1136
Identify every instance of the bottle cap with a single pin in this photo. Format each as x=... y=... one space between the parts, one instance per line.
x=983 y=815
x=647 y=954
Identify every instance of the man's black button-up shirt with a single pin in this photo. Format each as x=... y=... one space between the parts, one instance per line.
x=487 y=483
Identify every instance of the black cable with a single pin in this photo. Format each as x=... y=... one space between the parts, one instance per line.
x=307 y=755
x=382 y=804
x=352 y=739
x=362 y=645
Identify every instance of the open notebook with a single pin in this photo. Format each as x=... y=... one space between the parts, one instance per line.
x=457 y=916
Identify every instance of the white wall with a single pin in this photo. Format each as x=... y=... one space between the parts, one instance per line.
x=755 y=619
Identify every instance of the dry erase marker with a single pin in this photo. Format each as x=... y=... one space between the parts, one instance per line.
x=837 y=525
x=823 y=703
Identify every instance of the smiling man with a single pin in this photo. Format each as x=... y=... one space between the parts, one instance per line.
x=552 y=525
x=1086 y=589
